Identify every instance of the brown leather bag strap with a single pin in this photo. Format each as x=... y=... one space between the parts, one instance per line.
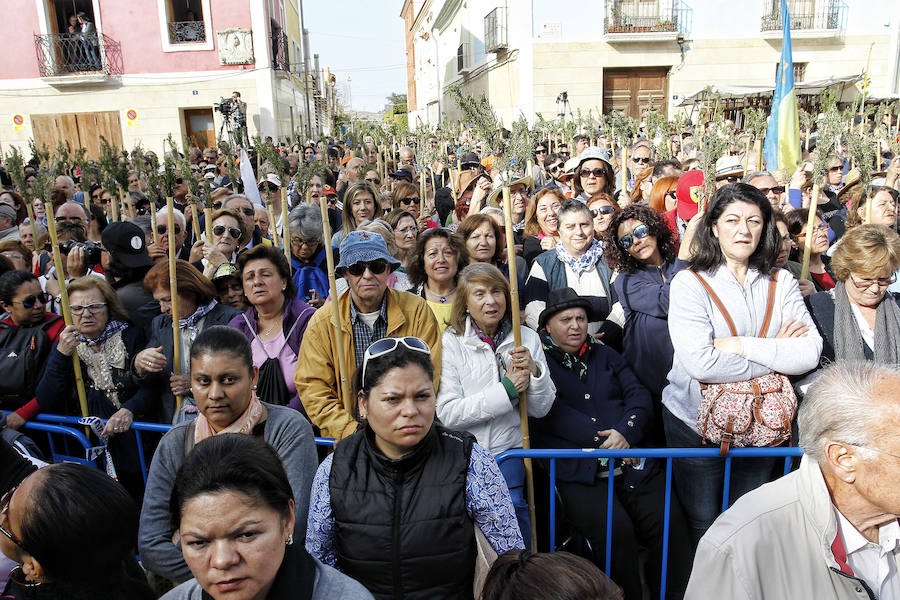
x=717 y=302
x=770 y=303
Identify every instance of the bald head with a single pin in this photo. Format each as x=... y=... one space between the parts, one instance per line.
x=72 y=211
x=353 y=166
x=66 y=185
x=407 y=156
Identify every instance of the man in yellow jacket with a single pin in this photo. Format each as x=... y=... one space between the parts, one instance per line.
x=368 y=312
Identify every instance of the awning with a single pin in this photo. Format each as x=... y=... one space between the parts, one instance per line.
x=844 y=84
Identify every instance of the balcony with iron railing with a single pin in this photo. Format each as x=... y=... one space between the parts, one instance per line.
x=640 y=21
x=186 y=32
x=77 y=58
x=807 y=18
x=281 y=55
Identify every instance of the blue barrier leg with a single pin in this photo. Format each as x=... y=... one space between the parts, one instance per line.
x=666 y=517
x=609 y=518
x=726 y=488
x=141 y=459
x=787 y=465
x=552 y=505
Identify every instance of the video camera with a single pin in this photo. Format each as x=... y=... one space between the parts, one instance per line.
x=224 y=106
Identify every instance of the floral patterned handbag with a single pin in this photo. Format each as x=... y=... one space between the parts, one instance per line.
x=756 y=412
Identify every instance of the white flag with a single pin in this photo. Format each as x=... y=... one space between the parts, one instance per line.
x=250 y=188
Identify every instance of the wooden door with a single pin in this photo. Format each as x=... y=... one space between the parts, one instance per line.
x=632 y=91
x=80 y=129
x=200 y=127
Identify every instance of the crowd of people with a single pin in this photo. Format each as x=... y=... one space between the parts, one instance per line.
x=651 y=316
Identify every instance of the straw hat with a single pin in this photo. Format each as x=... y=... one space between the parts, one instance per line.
x=527 y=181
x=465 y=180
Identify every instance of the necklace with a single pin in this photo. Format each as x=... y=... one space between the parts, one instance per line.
x=271 y=327
x=443 y=299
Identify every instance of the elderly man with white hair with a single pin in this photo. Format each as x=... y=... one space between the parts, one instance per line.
x=829 y=529
x=161 y=251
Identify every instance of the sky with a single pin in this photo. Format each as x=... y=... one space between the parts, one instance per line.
x=362 y=42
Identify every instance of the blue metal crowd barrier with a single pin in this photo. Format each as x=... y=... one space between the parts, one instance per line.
x=662 y=453
x=68 y=426
x=65 y=436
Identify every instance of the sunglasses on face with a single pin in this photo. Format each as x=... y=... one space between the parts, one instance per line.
x=143 y=210
x=603 y=210
x=410 y=200
x=217 y=205
x=179 y=181
x=31 y=300
x=376 y=267
x=778 y=189
x=540 y=151
x=593 y=172
x=729 y=179
x=564 y=153
x=388 y=345
x=163 y=229
x=643 y=160
x=234 y=232
x=640 y=232
x=555 y=168
x=373 y=180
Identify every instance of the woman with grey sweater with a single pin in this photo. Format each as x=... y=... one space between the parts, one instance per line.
x=734 y=251
x=223 y=382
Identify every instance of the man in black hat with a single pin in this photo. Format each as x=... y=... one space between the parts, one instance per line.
x=125 y=263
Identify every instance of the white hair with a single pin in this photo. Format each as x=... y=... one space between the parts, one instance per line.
x=838 y=407
x=163 y=213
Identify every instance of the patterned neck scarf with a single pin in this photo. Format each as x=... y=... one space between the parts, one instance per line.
x=244 y=424
x=583 y=263
x=192 y=322
x=111 y=328
x=100 y=363
x=492 y=341
x=576 y=362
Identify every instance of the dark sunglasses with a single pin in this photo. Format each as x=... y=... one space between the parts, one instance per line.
x=778 y=189
x=410 y=200
x=388 y=345
x=30 y=301
x=217 y=205
x=179 y=181
x=603 y=210
x=540 y=151
x=645 y=160
x=143 y=210
x=564 y=153
x=599 y=172
x=640 y=232
x=555 y=168
x=234 y=232
x=376 y=267
x=163 y=229
x=373 y=180
x=729 y=178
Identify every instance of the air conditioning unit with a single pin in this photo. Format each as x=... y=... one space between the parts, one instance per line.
x=495 y=30
x=464 y=58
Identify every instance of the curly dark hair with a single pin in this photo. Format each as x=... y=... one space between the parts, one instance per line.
x=619 y=258
x=415 y=269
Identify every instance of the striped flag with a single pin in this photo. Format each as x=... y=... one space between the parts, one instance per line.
x=782 y=147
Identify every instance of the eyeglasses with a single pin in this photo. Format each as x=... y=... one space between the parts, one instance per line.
x=179 y=181
x=30 y=301
x=217 y=205
x=388 y=345
x=865 y=284
x=598 y=172
x=778 y=189
x=555 y=168
x=641 y=159
x=163 y=229
x=78 y=309
x=640 y=232
x=297 y=241
x=376 y=267
x=373 y=180
x=234 y=232
x=410 y=200
x=247 y=211
x=103 y=201
x=729 y=178
x=603 y=210
x=838 y=168
x=541 y=151
x=817 y=229
x=564 y=153
x=848 y=444
x=143 y=210
x=4 y=510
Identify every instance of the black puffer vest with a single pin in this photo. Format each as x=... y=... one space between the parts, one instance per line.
x=401 y=526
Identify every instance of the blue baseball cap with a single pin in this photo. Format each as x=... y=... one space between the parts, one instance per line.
x=364 y=246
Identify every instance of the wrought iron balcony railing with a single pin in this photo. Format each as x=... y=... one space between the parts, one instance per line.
x=185 y=32
x=804 y=15
x=68 y=54
x=281 y=56
x=641 y=17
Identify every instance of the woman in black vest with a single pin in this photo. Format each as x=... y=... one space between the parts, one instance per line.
x=396 y=505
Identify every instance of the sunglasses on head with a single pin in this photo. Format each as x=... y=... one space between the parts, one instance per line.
x=388 y=345
x=163 y=229
x=645 y=159
x=376 y=267
x=603 y=210
x=593 y=172
x=30 y=301
x=234 y=232
x=640 y=232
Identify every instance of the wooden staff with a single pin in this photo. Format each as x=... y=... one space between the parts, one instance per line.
x=624 y=193
x=130 y=206
x=517 y=341
x=421 y=192
x=173 y=291
x=64 y=302
x=530 y=171
x=757 y=147
x=114 y=204
x=194 y=224
x=285 y=234
x=335 y=314
x=807 y=139
x=271 y=213
x=153 y=223
x=868 y=210
x=380 y=162
x=747 y=155
x=810 y=224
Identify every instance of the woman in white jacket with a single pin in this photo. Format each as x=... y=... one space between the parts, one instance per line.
x=482 y=374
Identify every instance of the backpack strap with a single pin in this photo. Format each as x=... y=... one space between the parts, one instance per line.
x=770 y=303
x=189 y=437
x=717 y=302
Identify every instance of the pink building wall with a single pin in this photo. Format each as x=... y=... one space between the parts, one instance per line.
x=135 y=25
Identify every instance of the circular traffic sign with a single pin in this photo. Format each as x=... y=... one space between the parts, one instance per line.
x=131 y=114
x=18 y=120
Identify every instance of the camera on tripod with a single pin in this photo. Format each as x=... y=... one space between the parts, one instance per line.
x=224 y=106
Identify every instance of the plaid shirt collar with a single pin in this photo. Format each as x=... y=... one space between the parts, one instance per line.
x=363 y=336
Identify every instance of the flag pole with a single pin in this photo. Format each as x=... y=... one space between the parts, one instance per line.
x=517 y=341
